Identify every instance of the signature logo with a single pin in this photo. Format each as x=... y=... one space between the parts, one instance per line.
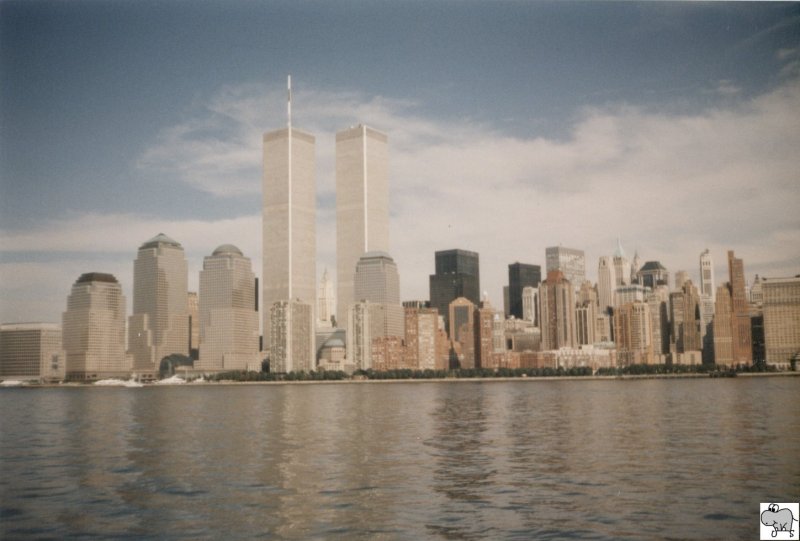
x=778 y=520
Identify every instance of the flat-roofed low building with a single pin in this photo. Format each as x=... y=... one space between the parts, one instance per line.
x=31 y=351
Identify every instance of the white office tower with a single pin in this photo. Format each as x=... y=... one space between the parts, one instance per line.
x=366 y=321
x=291 y=337
x=326 y=302
x=94 y=329
x=31 y=351
x=376 y=281
x=362 y=206
x=622 y=267
x=707 y=288
x=571 y=262
x=606 y=283
x=530 y=304
x=227 y=312
x=159 y=326
x=289 y=234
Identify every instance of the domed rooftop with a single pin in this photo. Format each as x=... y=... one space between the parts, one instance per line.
x=224 y=249
x=333 y=342
x=96 y=277
x=159 y=240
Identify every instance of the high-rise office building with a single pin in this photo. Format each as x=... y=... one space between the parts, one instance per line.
x=622 y=267
x=291 y=343
x=376 y=281
x=636 y=265
x=723 y=339
x=681 y=277
x=571 y=262
x=194 y=324
x=606 y=283
x=289 y=224
x=422 y=336
x=457 y=275
x=740 y=312
x=633 y=333
x=326 y=302
x=94 y=329
x=707 y=275
x=652 y=274
x=366 y=322
x=520 y=276
x=362 y=205
x=31 y=351
x=685 y=319
x=462 y=331
x=557 y=305
x=159 y=326
x=586 y=323
x=227 y=312
x=781 y=302
x=483 y=319
x=658 y=301
x=530 y=305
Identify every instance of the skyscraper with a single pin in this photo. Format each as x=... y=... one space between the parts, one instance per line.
x=740 y=313
x=685 y=318
x=521 y=275
x=291 y=342
x=781 y=301
x=326 y=301
x=652 y=274
x=376 y=281
x=557 y=307
x=159 y=326
x=227 y=314
x=457 y=275
x=633 y=333
x=94 y=329
x=707 y=275
x=571 y=262
x=622 y=267
x=530 y=304
x=462 y=330
x=362 y=205
x=289 y=222
x=606 y=283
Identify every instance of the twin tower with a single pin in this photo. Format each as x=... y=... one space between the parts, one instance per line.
x=289 y=219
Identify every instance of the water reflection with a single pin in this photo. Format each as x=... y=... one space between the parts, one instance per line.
x=648 y=459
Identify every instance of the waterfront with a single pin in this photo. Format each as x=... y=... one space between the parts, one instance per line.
x=689 y=458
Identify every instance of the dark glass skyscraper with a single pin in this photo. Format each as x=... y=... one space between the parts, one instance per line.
x=457 y=275
x=521 y=275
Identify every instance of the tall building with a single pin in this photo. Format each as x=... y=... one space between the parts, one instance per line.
x=289 y=222
x=622 y=267
x=194 y=324
x=606 y=283
x=571 y=262
x=362 y=205
x=707 y=275
x=94 y=329
x=31 y=351
x=723 y=339
x=586 y=323
x=636 y=265
x=740 y=312
x=422 y=336
x=366 y=322
x=781 y=302
x=520 y=276
x=462 y=331
x=484 y=334
x=530 y=305
x=291 y=342
x=681 y=277
x=633 y=333
x=629 y=293
x=652 y=274
x=658 y=301
x=457 y=275
x=557 y=306
x=685 y=319
x=159 y=326
x=326 y=302
x=376 y=281
x=227 y=312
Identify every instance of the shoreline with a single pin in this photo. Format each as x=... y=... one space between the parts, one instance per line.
x=630 y=377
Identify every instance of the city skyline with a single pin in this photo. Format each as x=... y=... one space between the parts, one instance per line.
x=671 y=164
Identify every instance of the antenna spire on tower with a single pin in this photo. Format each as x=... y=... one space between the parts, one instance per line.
x=289 y=101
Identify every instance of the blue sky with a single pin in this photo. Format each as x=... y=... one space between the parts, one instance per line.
x=513 y=126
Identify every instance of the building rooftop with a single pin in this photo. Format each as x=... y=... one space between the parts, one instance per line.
x=159 y=240
x=652 y=265
x=96 y=277
x=376 y=254
x=225 y=249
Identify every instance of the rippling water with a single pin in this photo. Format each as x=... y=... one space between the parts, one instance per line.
x=643 y=459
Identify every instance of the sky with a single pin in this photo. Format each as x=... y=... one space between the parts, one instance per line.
x=512 y=126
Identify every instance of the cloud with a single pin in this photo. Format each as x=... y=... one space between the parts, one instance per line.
x=670 y=185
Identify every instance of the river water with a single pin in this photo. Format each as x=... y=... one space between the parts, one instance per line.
x=601 y=459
